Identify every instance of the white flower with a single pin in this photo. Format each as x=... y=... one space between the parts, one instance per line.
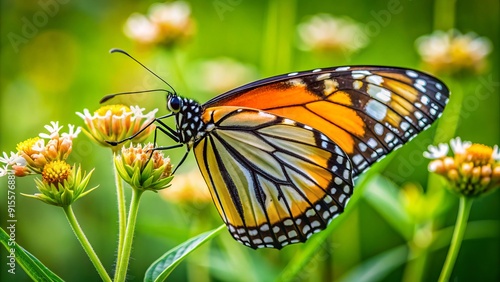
x=437 y=152
x=139 y=28
x=166 y=23
x=9 y=160
x=324 y=32
x=53 y=130
x=4 y=170
x=72 y=133
x=496 y=153
x=39 y=145
x=453 y=52
x=458 y=146
x=176 y=14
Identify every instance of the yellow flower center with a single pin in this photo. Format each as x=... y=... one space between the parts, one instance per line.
x=27 y=145
x=479 y=154
x=116 y=110
x=56 y=172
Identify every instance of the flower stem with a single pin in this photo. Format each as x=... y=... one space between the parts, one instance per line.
x=85 y=243
x=278 y=36
x=456 y=240
x=123 y=259
x=122 y=216
x=444 y=21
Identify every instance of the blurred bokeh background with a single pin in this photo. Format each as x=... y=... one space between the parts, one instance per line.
x=55 y=62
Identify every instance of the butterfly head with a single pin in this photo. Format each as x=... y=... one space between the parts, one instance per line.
x=188 y=120
x=174 y=103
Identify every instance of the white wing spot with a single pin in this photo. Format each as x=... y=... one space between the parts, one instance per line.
x=372 y=143
x=323 y=76
x=310 y=212
x=425 y=100
x=376 y=110
x=375 y=79
x=378 y=92
x=342 y=68
x=347 y=189
x=404 y=125
x=357 y=159
x=357 y=84
x=337 y=181
x=362 y=147
x=411 y=73
x=379 y=129
x=316 y=70
x=287 y=222
x=420 y=87
x=293 y=73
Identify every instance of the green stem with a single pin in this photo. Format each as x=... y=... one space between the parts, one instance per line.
x=122 y=216
x=278 y=37
x=456 y=240
x=123 y=259
x=85 y=243
x=444 y=21
x=176 y=63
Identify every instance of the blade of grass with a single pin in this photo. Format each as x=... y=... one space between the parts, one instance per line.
x=162 y=267
x=31 y=265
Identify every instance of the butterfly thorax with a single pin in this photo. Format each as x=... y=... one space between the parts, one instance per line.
x=188 y=121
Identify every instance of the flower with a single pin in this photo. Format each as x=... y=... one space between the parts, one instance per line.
x=61 y=185
x=452 y=52
x=325 y=33
x=222 y=74
x=187 y=188
x=472 y=170
x=34 y=153
x=139 y=28
x=144 y=168
x=112 y=124
x=166 y=23
x=56 y=172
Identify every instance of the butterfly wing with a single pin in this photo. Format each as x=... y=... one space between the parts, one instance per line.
x=274 y=181
x=367 y=110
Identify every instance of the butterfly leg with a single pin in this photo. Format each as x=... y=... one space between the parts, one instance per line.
x=172 y=147
x=164 y=128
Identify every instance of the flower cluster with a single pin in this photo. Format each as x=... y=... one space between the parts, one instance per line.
x=472 y=170
x=452 y=52
x=325 y=33
x=113 y=123
x=166 y=23
x=144 y=168
x=61 y=184
x=35 y=153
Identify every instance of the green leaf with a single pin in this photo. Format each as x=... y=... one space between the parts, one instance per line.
x=383 y=196
x=33 y=267
x=163 y=266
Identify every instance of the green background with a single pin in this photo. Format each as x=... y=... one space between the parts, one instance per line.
x=64 y=66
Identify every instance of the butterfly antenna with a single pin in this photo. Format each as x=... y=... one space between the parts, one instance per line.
x=116 y=50
x=111 y=96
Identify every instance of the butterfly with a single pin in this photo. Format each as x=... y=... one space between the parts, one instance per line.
x=279 y=155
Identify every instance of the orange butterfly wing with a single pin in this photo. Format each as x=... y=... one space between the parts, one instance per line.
x=367 y=110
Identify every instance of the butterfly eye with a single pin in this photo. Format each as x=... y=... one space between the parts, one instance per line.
x=174 y=104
